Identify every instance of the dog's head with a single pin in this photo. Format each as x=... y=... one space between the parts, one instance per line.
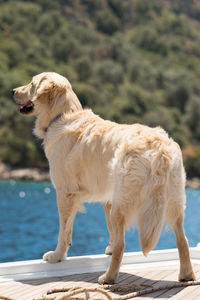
x=46 y=92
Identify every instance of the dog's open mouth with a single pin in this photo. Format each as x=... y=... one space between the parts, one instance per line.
x=26 y=108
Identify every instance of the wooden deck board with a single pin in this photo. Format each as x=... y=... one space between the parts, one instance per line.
x=155 y=276
x=164 y=278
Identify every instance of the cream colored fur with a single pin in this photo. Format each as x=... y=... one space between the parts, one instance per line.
x=134 y=170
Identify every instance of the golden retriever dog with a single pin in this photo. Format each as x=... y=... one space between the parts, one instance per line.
x=134 y=170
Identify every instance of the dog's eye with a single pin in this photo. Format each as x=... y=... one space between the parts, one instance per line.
x=33 y=84
x=32 y=87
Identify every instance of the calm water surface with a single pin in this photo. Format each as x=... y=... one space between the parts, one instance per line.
x=29 y=224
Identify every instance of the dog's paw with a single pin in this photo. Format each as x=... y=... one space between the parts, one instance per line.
x=52 y=257
x=105 y=278
x=187 y=277
x=108 y=250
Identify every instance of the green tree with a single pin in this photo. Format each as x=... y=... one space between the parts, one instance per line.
x=107 y=22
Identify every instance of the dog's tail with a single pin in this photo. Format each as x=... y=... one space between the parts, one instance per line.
x=151 y=214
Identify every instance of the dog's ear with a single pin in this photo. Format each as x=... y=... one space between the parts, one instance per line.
x=48 y=90
x=44 y=88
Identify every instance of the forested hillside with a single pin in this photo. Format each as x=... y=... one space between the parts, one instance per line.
x=130 y=61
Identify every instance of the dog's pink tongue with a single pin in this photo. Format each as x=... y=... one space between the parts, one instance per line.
x=20 y=107
x=27 y=104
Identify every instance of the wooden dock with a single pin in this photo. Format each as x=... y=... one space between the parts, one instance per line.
x=148 y=275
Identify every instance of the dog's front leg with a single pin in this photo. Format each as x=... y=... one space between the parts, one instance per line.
x=107 y=210
x=67 y=208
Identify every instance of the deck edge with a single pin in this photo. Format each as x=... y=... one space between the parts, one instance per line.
x=35 y=269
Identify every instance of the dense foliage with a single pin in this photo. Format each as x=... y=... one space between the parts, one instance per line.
x=130 y=61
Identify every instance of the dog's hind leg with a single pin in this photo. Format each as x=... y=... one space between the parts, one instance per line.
x=107 y=210
x=186 y=271
x=175 y=218
x=118 y=225
x=67 y=207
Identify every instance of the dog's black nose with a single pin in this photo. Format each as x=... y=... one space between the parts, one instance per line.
x=13 y=92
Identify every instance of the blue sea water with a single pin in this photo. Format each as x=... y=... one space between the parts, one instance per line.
x=29 y=224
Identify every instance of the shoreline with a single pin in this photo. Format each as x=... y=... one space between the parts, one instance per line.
x=21 y=173
x=38 y=174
